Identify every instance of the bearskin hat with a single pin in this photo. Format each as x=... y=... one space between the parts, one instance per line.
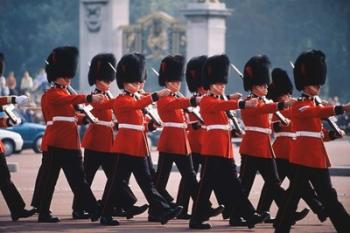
x=131 y=68
x=280 y=85
x=171 y=69
x=62 y=62
x=2 y=63
x=215 y=70
x=310 y=69
x=102 y=68
x=256 y=72
x=194 y=73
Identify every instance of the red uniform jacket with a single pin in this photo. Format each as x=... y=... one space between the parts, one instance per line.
x=128 y=111
x=173 y=140
x=282 y=145
x=3 y=120
x=194 y=135
x=256 y=143
x=216 y=142
x=309 y=151
x=47 y=118
x=100 y=137
x=63 y=134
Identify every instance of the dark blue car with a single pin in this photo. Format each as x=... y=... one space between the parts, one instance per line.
x=31 y=133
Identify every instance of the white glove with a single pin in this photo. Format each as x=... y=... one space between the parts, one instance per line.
x=22 y=99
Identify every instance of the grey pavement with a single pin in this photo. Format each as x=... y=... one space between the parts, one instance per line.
x=28 y=164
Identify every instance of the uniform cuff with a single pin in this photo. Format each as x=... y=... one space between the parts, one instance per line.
x=339 y=110
x=280 y=106
x=193 y=101
x=241 y=104
x=155 y=97
x=89 y=98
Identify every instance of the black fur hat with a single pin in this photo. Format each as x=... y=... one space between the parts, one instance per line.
x=256 y=72
x=194 y=73
x=62 y=62
x=2 y=63
x=215 y=70
x=103 y=67
x=171 y=69
x=280 y=85
x=131 y=68
x=310 y=69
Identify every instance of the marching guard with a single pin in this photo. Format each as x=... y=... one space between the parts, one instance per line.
x=219 y=170
x=309 y=159
x=131 y=143
x=281 y=89
x=11 y=195
x=63 y=138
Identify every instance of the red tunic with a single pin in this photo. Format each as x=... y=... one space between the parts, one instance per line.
x=3 y=120
x=47 y=118
x=194 y=135
x=128 y=111
x=63 y=134
x=282 y=145
x=100 y=137
x=173 y=140
x=257 y=143
x=216 y=142
x=309 y=151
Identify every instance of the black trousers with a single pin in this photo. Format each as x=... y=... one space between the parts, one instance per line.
x=184 y=194
x=139 y=167
x=321 y=181
x=220 y=174
x=285 y=170
x=92 y=161
x=12 y=197
x=267 y=168
x=71 y=163
x=40 y=179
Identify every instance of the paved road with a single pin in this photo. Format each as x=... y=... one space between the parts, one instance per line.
x=28 y=163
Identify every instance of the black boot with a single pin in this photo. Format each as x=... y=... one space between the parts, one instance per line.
x=300 y=215
x=256 y=218
x=216 y=211
x=118 y=212
x=23 y=214
x=322 y=215
x=184 y=215
x=170 y=214
x=108 y=221
x=268 y=219
x=95 y=214
x=238 y=222
x=48 y=218
x=80 y=214
x=199 y=225
x=135 y=210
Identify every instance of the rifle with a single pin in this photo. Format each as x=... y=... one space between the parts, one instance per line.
x=330 y=120
x=86 y=109
x=232 y=116
x=150 y=111
x=278 y=114
x=192 y=110
x=8 y=109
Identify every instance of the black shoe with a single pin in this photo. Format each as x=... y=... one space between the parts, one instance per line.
x=226 y=214
x=80 y=214
x=135 y=210
x=154 y=218
x=170 y=214
x=216 y=211
x=322 y=215
x=23 y=214
x=108 y=221
x=199 y=225
x=47 y=218
x=238 y=222
x=300 y=215
x=269 y=219
x=95 y=215
x=118 y=212
x=184 y=215
x=256 y=218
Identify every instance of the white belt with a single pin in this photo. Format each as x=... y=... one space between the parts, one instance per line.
x=258 y=129
x=64 y=118
x=49 y=123
x=285 y=134
x=309 y=134
x=105 y=123
x=175 y=125
x=130 y=126
x=222 y=127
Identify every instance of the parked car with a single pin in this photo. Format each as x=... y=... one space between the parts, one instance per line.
x=32 y=134
x=12 y=141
